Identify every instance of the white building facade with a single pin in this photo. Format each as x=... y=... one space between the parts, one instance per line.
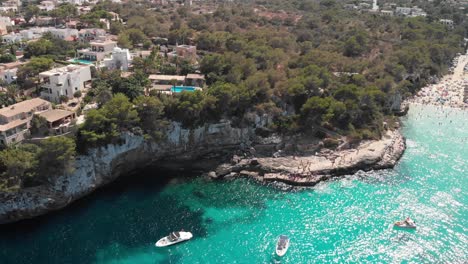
x=120 y=59
x=9 y=75
x=64 y=81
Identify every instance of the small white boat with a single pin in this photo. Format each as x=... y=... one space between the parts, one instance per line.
x=282 y=245
x=407 y=223
x=174 y=238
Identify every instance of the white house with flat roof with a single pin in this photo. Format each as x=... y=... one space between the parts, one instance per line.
x=64 y=81
x=63 y=33
x=8 y=75
x=386 y=12
x=46 y=6
x=120 y=59
x=98 y=51
x=89 y=34
x=8 y=8
x=15 y=120
x=403 y=11
x=12 y=38
x=410 y=11
x=447 y=22
x=74 y=2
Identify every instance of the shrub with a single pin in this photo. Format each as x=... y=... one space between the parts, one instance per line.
x=331 y=143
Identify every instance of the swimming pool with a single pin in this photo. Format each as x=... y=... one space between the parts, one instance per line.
x=178 y=89
x=81 y=61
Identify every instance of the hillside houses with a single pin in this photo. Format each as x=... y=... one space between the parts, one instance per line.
x=42 y=80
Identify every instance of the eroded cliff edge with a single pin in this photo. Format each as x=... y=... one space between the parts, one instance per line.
x=105 y=164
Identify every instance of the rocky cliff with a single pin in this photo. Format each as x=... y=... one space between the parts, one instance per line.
x=103 y=165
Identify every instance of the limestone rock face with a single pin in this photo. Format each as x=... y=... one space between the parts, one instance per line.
x=102 y=165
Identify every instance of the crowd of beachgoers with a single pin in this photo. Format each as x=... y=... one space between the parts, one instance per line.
x=450 y=90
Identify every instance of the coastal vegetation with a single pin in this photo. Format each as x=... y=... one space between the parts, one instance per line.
x=320 y=68
x=31 y=164
x=331 y=69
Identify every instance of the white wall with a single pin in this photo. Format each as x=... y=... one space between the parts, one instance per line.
x=71 y=82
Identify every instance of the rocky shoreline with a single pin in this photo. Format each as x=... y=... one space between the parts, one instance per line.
x=312 y=169
x=211 y=142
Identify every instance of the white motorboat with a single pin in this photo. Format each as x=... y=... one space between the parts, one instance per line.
x=407 y=223
x=174 y=238
x=282 y=245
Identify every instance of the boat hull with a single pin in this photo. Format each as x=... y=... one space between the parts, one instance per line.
x=281 y=252
x=404 y=225
x=165 y=242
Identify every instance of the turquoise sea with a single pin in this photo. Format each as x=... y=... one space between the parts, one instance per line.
x=347 y=220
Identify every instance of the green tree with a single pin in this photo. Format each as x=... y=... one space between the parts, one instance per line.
x=150 y=111
x=104 y=125
x=120 y=111
x=18 y=165
x=124 y=41
x=131 y=87
x=5 y=58
x=64 y=11
x=318 y=111
x=133 y=37
x=57 y=157
x=77 y=94
x=96 y=130
x=30 y=12
x=38 y=124
x=38 y=48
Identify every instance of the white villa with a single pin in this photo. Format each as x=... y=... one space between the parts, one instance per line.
x=64 y=81
x=120 y=59
x=98 y=50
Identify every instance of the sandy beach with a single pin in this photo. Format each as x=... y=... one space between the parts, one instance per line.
x=450 y=90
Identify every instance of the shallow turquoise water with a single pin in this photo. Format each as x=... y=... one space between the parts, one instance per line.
x=347 y=220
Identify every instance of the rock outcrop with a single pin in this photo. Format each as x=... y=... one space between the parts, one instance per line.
x=311 y=169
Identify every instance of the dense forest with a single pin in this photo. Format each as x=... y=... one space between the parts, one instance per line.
x=316 y=68
x=321 y=66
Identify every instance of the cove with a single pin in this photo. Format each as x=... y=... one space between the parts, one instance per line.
x=345 y=220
